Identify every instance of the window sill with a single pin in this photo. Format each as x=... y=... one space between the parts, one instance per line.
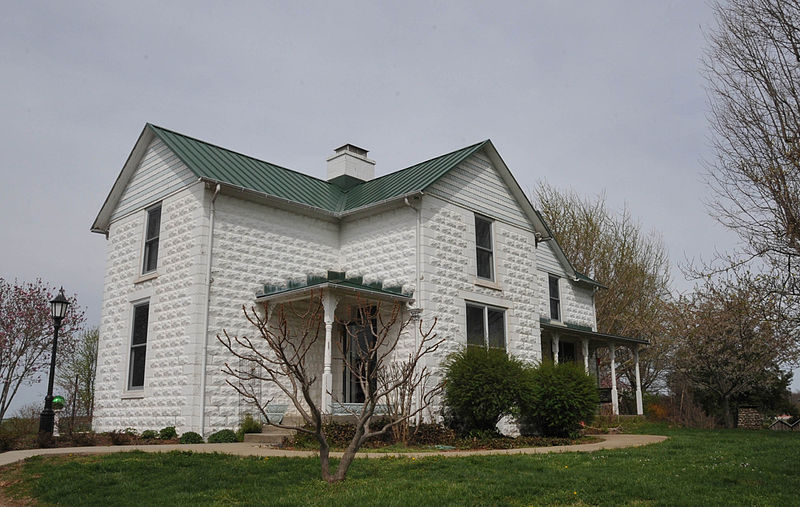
x=145 y=277
x=489 y=284
x=133 y=395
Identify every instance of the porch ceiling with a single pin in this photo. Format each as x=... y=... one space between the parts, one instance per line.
x=568 y=330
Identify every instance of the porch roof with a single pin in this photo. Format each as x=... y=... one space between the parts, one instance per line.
x=333 y=280
x=584 y=332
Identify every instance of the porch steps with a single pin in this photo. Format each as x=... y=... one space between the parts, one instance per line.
x=269 y=435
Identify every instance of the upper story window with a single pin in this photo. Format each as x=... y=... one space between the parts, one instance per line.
x=484 y=250
x=138 y=346
x=486 y=326
x=555 y=298
x=151 y=239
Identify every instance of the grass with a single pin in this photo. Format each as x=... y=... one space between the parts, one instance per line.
x=694 y=467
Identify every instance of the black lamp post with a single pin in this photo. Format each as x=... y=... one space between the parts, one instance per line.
x=58 y=307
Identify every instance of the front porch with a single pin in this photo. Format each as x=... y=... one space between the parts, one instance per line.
x=352 y=312
x=578 y=344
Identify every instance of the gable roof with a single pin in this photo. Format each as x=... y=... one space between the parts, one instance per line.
x=214 y=164
x=220 y=165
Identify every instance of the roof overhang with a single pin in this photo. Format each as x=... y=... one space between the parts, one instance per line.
x=103 y=219
x=567 y=330
x=334 y=282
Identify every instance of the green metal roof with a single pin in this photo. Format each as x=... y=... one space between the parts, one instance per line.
x=224 y=166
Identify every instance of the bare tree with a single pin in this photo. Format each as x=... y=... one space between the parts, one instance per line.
x=752 y=71
x=730 y=340
x=613 y=249
x=26 y=335
x=281 y=354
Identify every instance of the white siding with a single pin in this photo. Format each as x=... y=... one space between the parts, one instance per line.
x=159 y=174
x=547 y=260
x=476 y=185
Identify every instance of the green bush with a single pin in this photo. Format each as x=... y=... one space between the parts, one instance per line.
x=149 y=434
x=190 y=437
x=247 y=425
x=222 y=437
x=167 y=433
x=557 y=399
x=481 y=386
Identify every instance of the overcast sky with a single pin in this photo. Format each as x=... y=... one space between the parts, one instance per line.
x=595 y=96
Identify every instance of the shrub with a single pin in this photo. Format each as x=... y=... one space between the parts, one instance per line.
x=120 y=437
x=167 y=433
x=481 y=386
x=221 y=437
x=247 y=425
x=557 y=399
x=149 y=434
x=190 y=437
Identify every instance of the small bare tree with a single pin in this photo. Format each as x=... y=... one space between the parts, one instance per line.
x=281 y=354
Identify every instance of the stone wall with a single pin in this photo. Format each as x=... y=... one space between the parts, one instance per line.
x=750 y=419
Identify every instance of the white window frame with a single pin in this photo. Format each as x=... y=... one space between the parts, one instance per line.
x=156 y=239
x=491 y=250
x=485 y=308
x=558 y=299
x=131 y=346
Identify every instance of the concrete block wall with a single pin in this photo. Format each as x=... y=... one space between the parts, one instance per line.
x=255 y=244
x=171 y=363
x=449 y=280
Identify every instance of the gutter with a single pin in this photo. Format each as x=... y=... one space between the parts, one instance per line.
x=418 y=292
x=209 y=280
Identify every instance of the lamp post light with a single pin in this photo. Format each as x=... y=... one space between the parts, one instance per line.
x=58 y=307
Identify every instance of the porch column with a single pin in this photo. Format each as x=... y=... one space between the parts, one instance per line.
x=585 y=343
x=639 y=407
x=329 y=303
x=614 y=398
x=554 y=346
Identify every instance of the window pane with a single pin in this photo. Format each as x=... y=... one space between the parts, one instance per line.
x=483 y=233
x=475 y=326
x=554 y=287
x=137 y=366
x=484 y=264
x=554 y=309
x=140 y=315
x=153 y=223
x=497 y=335
x=150 y=255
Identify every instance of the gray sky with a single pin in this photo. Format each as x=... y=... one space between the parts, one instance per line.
x=598 y=96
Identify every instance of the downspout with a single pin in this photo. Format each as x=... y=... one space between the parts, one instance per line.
x=205 y=315
x=418 y=237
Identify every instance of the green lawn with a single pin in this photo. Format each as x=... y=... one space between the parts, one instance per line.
x=694 y=467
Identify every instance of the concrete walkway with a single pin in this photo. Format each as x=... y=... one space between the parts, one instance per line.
x=253 y=449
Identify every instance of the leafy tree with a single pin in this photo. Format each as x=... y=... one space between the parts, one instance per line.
x=729 y=343
x=752 y=71
x=76 y=376
x=26 y=335
x=613 y=249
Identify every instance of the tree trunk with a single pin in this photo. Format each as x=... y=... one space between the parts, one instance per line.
x=726 y=409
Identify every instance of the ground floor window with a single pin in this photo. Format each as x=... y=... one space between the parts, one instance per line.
x=138 y=346
x=486 y=326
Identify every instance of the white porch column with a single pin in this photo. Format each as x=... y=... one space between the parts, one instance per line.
x=614 y=398
x=585 y=343
x=554 y=346
x=329 y=303
x=639 y=407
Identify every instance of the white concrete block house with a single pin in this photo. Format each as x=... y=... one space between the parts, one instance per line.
x=194 y=231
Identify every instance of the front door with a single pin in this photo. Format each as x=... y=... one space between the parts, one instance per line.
x=358 y=341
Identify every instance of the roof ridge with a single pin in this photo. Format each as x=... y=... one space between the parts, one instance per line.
x=465 y=148
x=157 y=127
